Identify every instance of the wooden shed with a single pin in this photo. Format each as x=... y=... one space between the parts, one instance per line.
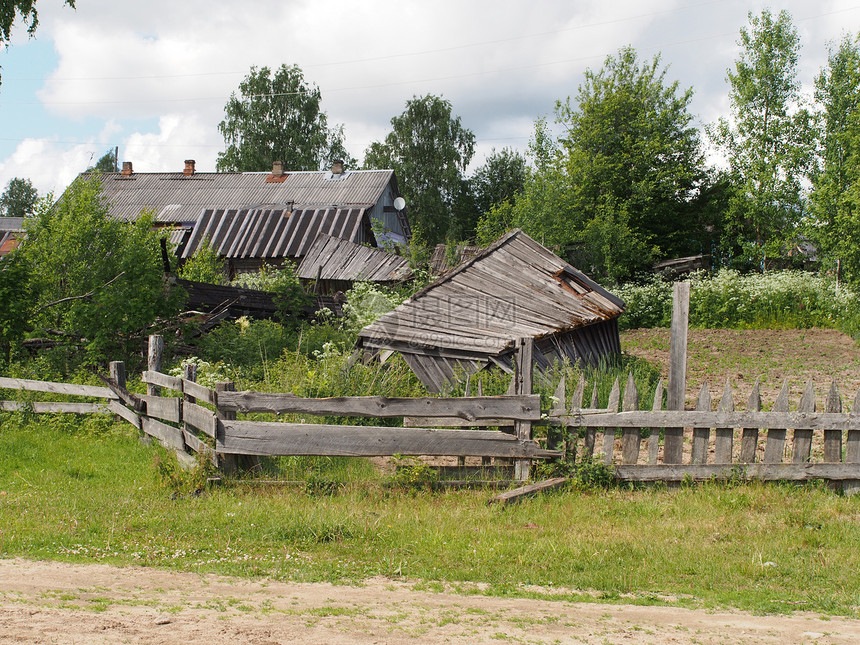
x=472 y=316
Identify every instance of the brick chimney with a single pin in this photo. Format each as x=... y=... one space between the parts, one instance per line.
x=337 y=167
x=278 y=175
x=126 y=169
x=189 y=167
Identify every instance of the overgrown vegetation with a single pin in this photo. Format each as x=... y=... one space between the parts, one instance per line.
x=731 y=300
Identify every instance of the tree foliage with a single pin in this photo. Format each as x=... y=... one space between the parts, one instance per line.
x=19 y=199
x=767 y=141
x=618 y=186
x=277 y=117
x=835 y=199
x=501 y=176
x=98 y=281
x=25 y=10
x=429 y=150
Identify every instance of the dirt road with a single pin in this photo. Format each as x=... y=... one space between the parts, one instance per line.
x=49 y=602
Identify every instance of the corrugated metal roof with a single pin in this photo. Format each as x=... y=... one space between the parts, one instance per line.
x=275 y=232
x=178 y=198
x=12 y=224
x=513 y=289
x=337 y=259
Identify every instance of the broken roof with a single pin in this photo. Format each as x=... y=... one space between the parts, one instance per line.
x=513 y=289
x=331 y=258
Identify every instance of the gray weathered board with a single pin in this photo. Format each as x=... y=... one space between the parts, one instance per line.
x=762 y=471
x=270 y=438
x=520 y=408
x=56 y=388
x=51 y=407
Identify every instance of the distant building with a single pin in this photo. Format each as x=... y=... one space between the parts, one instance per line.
x=256 y=217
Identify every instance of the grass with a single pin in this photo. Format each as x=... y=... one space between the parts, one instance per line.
x=87 y=492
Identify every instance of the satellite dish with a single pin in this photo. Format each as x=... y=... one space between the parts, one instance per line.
x=399 y=203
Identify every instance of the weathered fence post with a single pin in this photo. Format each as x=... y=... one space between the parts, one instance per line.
x=525 y=366
x=154 y=356
x=117 y=373
x=228 y=463
x=673 y=443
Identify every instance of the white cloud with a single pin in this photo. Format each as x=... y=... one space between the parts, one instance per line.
x=502 y=64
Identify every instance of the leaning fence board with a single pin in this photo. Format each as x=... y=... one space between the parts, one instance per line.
x=762 y=471
x=169 y=436
x=56 y=388
x=520 y=408
x=52 y=407
x=774 y=446
x=270 y=438
x=200 y=418
x=119 y=409
x=517 y=494
x=164 y=408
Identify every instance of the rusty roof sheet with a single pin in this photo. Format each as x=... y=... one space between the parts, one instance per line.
x=515 y=288
x=275 y=232
x=178 y=198
x=332 y=258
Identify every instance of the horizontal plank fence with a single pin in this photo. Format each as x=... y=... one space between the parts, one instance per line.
x=814 y=439
x=807 y=443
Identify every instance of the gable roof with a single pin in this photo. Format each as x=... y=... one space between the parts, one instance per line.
x=331 y=258
x=515 y=288
x=176 y=197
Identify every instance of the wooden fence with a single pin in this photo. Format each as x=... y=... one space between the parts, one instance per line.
x=200 y=420
x=722 y=443
x=812 y=442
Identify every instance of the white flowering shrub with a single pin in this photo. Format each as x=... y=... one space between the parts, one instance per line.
x=729 y=299
x=366 y=303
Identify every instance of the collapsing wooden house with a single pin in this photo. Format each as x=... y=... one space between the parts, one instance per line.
x=472 y=316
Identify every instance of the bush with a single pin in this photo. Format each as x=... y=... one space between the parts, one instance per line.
x=283 y=282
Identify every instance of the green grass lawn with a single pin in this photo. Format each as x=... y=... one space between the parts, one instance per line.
x=88 y=491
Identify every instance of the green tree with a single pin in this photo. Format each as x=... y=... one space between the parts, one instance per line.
x=12 y=10
x=501 y=176
x=619 y=186
x=767 y=141
x=99 y=280
x=106 y=163
x=835 y=198
x=429 y=149
x=277 y=117
x=18 y=300
x=19 y=199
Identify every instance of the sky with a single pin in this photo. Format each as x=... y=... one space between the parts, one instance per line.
x=153 y=77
